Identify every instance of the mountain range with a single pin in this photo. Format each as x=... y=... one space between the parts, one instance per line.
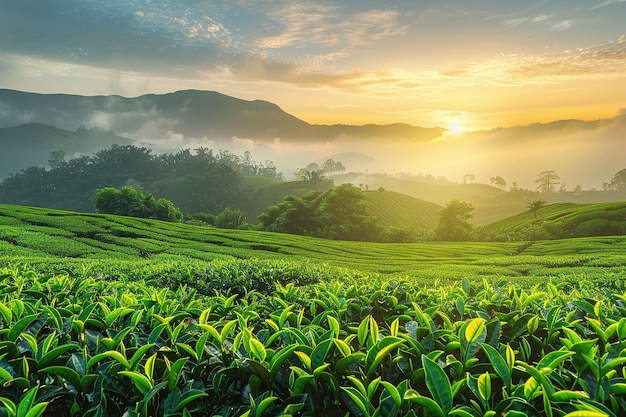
x=193 y=113
x=586 y=153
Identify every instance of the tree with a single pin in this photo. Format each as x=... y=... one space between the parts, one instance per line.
x=128 y=201
x=535 y=205
x=469 y=177
x=57 y=158
x=499 y=182
x=547 y=180
x=618 y=182
x=338 y=213
x=330 y=167
x=166 y=210
x=231 y=219
x=454 y=222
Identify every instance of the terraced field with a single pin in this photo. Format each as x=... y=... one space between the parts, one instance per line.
x=36 y=235
x=108 y=315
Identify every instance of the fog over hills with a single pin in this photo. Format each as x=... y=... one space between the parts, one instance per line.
x=32 y=143
x=585 y=153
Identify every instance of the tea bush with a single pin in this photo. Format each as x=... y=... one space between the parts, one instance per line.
x=83 y=345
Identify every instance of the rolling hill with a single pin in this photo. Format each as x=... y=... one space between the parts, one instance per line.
x=564 y=220
x=118 y=246
x=400 y=210
x=391 y=208
x=490 y=203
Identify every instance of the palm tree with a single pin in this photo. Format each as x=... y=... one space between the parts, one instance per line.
x=535 y=205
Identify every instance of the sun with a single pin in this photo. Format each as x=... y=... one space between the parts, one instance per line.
x=456 y=128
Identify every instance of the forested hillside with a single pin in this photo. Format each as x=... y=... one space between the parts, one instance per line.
x=196 y=182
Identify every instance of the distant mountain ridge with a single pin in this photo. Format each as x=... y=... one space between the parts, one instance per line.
x=586 y=153
x=193 y=113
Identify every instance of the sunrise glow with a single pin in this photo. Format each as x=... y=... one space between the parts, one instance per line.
x=496 y=63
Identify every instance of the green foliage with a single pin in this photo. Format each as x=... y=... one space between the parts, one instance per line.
x=201 y=219
x=199 y=182
x=454 y=222
x=618 y=182
x=130 y=202
x=231 y=219
x=118 y=245
x=83 y=345
x=338 y=213
x=535 y=205
x=562 y=220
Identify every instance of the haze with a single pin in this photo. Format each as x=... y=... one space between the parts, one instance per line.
x=463 y=66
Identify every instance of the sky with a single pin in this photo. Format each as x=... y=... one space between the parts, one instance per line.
x=462 y=65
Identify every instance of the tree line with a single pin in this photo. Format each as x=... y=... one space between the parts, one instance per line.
x=195 y=181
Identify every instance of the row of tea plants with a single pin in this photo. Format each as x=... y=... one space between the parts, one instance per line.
x=88 y=346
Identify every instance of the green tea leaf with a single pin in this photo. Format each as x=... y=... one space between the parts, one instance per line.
x=498 y=362
x=263 y=405
x=111 y=354
x=9 y=405
x=586 y=413
x=431 y=407
x=438 y=384
x=319 y=354
x=27 y=402
x=393 y=392
x=133 y=365
x=55 y=354
x=381 y=351
x=143 y=384
x=484 y=386
x=471 y=334
x=554 y=359
x=63 y=371
x=257 y=349
x=362 y=331
x=36 y=410
x=191 y=396
x=359 y=399
x=19 y=327
x=373 y=330
x=279 y=358
x=175 y=373
x=566 y=396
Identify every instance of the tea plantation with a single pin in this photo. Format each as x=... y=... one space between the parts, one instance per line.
x=112 y=316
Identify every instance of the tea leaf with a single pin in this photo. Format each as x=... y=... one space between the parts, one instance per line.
x=484 y=386
x=438 y=384
x=142 y=382
x=498 y=362
x=67 y=373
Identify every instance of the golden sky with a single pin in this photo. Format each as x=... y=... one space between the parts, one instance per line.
x=461 y=65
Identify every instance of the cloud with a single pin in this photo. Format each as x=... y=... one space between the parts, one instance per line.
x=562 y=25
x=596 y=62
x=515 y=22
x=247 y=144
x=542 y=17
x=307 y=24
x=111 y=36
x=607 y=3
